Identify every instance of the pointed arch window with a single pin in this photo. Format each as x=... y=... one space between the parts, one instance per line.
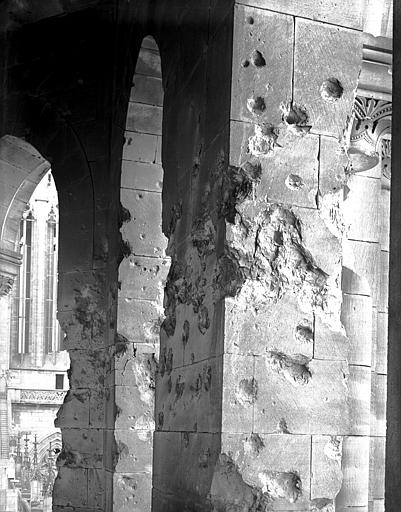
x=23 y=301
x=51 y=334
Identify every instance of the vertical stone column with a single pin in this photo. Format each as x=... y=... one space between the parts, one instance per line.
x=364 y=283
x=289 y=394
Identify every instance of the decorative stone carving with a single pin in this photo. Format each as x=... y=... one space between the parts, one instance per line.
x=6 y=284
x=386 y=157
x=41 y=396
x=372 y=122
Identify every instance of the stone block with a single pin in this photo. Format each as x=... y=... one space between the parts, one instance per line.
x=96 y=489
x=255 y=455
x=199 y=454
x=323 y=405
x=167 y=447
x=262 y=63
x=21 y=154
x=134 y=408
x=172 y=348
x=360 y=268
x=240 y=393
x=81 y=294
x=143 y=278
x=158 y=159
x=97 y=408
x=374 y=338
x=323 y=246
x=355 y=468
x=384 y=222
x=359 y=404
x=378 y=404
x=329 y=344
x=378 y=506
x=141 y=176
x=382 y=342
x=290 y=174
x=326 y=467
x=74 y=413
x=143 y=231
x=148 y=63
x=360 y=209
x=189 y=398
x=83 y=448
x=383 y=286
x=239 y=139
x=139 y=320
x=135 y=451
x=201 y=343
x=352 y=509
x=143 y=118
x=332 y=161
x=377 y=468
x=186 y=462
x=356 y=317
x=140 y=147
x=136 y=365
x=268 y=327
x=149 y=43
x=71 y=478
x=147 y=89
x=323 y=52
x=89 y=368
x=328 y=11
x=131 y=491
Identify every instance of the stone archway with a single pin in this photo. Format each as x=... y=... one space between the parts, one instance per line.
x=21 y=169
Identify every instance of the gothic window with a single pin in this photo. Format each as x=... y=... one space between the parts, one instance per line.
x=22 y=307
x=50 y=284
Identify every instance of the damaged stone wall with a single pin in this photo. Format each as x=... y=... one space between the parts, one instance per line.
x=260 y=398
x=142 y=275
x=295 y=387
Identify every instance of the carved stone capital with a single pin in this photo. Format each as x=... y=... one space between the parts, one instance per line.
x=371 y=127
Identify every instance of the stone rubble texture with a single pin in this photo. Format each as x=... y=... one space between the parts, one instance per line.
x=219 y=263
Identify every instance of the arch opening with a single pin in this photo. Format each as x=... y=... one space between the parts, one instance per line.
x=34 y=363
x=142 y=275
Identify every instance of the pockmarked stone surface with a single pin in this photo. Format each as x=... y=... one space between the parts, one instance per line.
x=325 y=52
x=263 y=46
